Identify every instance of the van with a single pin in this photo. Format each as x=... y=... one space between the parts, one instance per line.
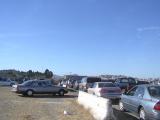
x=87 y=82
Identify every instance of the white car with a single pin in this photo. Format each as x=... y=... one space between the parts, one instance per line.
x=106 y=90
x=5 y=82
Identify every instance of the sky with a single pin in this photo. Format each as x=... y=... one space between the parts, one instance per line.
x=86 y=37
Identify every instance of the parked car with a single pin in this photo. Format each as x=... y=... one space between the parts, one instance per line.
x=76 y=84
x=143 y=100
x=39 y=87
x=88 y=82
x=142 y=82
x=7 y=82
x=126 y=83
x=105 y=89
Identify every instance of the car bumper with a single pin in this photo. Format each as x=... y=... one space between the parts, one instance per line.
x=154 y=116
x=118 y=96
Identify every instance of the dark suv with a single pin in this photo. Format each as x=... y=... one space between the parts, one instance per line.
x=125 y=83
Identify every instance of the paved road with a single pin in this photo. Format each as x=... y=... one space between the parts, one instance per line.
x=39 y=107
x=123 y=115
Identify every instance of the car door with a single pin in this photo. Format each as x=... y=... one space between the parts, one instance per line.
x=127 y=98
x=45 y=87
x=50 y=88
x=35 y=87
x=137 y=98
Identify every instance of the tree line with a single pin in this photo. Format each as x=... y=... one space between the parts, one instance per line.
x=22 y=75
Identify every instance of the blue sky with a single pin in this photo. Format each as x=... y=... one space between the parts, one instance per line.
x=88 y=37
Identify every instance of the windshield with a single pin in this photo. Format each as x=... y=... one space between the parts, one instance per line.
x=154 y=91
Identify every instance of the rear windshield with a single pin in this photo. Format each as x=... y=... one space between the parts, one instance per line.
x=101 y=85
x=154 y=91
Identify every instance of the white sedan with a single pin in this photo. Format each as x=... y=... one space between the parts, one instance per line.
x=106 y=90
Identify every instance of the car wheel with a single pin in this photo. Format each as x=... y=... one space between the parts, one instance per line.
x=61 y=92
x=142 y=114
x=30 y=93
x=121 y=106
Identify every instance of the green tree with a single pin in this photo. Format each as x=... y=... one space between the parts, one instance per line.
x=30 y=74
x=48 y=74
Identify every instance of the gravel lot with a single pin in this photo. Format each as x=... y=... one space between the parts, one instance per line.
x=39 y=107
x=46 y=107
x=123 y=115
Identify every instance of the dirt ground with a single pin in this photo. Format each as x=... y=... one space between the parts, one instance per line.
x=39 y=107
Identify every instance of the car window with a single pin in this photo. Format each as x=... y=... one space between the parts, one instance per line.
x=83 y=80
x=139 y=92
x=40 y=84
x=92 y=80
x=27 y=83
x=117 y=81
x=154 y=91
x=132 y=81
x=34 y=84
x=101 y=85
x=132 y=91
x=94 y=85
x=45 y=84
x=124 y=81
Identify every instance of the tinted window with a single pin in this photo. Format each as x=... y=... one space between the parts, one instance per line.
x=139 y=91
x=91 y=80
x=154 y=91
x=132 y=81
x=101 y=85
x=124 y=80
x=132 y=91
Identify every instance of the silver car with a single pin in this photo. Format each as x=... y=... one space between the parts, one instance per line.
x=5 y=82
x=143 y=100
x=39 y=87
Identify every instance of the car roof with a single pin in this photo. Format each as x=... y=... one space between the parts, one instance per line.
x=147 y=85
x=103 y=82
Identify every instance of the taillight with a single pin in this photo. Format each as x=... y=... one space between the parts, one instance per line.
x=157 y=106
x=118 y=90
x=102 y=90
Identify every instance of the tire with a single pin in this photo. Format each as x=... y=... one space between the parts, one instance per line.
x=121 y=106
x=142 y=114
x=61 y=93
x=29 y=93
